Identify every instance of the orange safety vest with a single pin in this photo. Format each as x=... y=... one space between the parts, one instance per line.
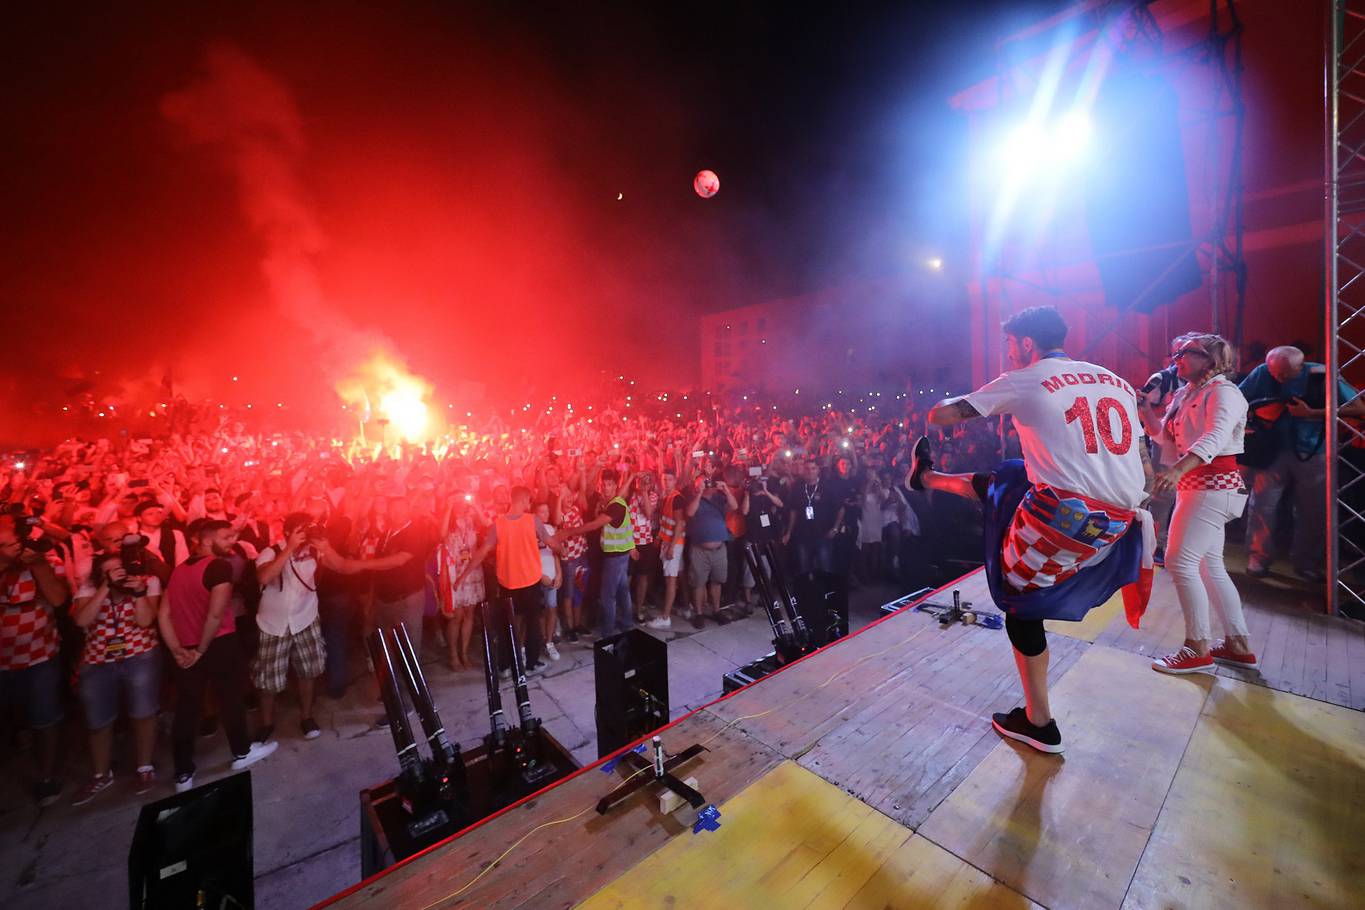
x=517 y=553
x=670 y=528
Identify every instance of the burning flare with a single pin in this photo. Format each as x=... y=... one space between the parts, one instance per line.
x=383 y=389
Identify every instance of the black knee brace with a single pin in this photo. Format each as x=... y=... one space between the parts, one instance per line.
x=981 y=482
x=1026 y=635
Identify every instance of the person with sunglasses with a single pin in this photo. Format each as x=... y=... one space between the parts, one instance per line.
x=1205 y=421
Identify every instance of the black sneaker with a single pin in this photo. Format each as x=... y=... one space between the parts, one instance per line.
x=1016 y=726
x=697 y=621
x=47 y=792
x=720 y=619
x=264 y=734
x=920 y=461
x=310 y=728
x=571 y=635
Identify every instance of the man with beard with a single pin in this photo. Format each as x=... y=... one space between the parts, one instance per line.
x=197 y=625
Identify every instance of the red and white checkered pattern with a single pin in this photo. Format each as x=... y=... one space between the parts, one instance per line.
x=28 y=634
x=575 y=546
x=1034 y=555
x=1220 y=480
x=639 y=523
x=116 y=620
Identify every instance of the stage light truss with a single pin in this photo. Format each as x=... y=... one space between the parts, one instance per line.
x=1344 y=236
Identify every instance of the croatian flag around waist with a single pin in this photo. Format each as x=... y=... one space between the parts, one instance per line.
x=1128 y=568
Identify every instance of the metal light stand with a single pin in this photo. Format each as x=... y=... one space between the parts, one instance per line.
x=961 y=611
x=659 y=771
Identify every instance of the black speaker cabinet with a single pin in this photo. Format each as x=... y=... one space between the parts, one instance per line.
x=632 y=688
x=194 y=849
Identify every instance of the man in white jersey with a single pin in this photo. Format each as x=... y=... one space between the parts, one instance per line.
x=1058 y=539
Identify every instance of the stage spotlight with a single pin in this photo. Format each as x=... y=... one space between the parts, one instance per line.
x=1035 y=146
x=1071 y=138
x=934 y=263
x=1026 y=148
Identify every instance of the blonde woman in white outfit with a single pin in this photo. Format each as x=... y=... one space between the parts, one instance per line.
x=1206 y=420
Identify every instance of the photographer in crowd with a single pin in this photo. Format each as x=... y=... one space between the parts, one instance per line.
x=288 y=618
x=1287 y=445
x=121 y=659
x=1157 y=393
x=30 y=673
x=707 y=535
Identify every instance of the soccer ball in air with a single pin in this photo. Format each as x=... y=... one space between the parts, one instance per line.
x=706 y=183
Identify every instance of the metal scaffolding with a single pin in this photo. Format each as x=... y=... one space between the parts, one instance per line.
x=1344 y=235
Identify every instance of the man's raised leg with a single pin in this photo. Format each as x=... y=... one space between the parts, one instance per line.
x=922 y=475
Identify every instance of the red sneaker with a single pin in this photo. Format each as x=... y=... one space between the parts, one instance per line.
x=1183 y=661
x=1225 y=655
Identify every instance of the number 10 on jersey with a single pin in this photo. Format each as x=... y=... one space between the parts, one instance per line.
x=1101 y=420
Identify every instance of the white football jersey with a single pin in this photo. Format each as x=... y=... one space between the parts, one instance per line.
x=1078 y=427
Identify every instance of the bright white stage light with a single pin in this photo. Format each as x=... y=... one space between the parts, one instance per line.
x=1035 y=147
x=1071 y=137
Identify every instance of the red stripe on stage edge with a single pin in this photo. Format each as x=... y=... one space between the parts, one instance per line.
x=342 y=895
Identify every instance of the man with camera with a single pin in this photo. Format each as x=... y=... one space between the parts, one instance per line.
x=707 y=536
x=1286 y=442
x=30 y=674
x=1157 y=393
x=290 y=630
x=120 y=659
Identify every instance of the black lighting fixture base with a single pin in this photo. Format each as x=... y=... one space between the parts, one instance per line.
x=659 y=771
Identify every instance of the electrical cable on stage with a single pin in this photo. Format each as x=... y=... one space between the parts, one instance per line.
x=559 y=821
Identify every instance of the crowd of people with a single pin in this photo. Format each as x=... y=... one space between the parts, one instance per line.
x=205 y=567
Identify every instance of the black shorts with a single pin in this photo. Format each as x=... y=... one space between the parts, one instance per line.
x=648 y=562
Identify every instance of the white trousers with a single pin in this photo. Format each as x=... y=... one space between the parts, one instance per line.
x=1194 y=557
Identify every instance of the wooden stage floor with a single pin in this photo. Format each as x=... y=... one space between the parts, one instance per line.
x=867 y=775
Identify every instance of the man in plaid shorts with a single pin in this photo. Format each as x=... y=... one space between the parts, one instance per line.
x=1063 y=529
x=291 y=633
x=30 y=673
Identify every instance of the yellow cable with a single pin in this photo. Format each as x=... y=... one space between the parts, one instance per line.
x=559 y=821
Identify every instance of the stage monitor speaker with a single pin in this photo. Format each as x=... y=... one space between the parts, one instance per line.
x=194 y=849
x=632 y=688
x=1136 y=197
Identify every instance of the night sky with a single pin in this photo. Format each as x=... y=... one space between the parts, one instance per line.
x=271 y=193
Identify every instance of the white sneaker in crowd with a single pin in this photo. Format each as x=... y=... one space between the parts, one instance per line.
x=257 y=752
x=663 y=622
x=552 y=650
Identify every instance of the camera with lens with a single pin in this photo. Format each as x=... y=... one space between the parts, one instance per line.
x=1163 y=382
x=314 y=532
x=132 y=555
x=24 y=526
